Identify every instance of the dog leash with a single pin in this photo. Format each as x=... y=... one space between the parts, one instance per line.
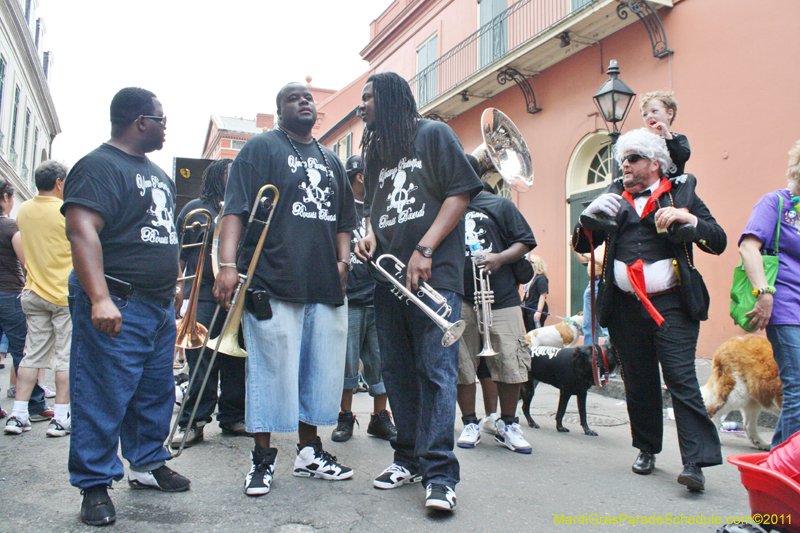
x=566 y=319
x=592 y=278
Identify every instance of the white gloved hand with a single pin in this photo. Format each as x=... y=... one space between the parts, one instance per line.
x=605 y=204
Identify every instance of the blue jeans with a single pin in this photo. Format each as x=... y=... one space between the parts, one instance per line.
x=15 y=327
x=295 y=366
x=122 y=389
x=420 y=376
x=785 y=342
x=362 y=344
x=587 y=312
x=228 y=372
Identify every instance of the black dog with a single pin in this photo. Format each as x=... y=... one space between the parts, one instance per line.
x=569 y=370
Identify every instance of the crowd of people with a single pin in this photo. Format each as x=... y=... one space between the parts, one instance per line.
x=103 y=275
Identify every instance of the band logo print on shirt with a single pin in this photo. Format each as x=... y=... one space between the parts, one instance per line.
x=159 y=192
x=314 y=194
x=473 y=232
x=401 y=194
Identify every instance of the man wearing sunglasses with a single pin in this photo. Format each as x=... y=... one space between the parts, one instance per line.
x=119 y=208
x=651 y=299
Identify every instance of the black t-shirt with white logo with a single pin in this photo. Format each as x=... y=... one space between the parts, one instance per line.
x=495 y=223
x=137 y=202
x=402 y=201
x=298 y=262
x=360 y=283
x=191 y=254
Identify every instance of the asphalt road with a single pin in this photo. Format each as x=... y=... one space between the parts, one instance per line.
x=567 y=474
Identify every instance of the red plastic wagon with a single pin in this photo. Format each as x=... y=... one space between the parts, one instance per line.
x=771 y=493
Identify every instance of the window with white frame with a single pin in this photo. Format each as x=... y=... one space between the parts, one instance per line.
x=427 y=54
x=493 y=36
x=344 y=147
x=237 y=144
x=12 y=148
x=26 y=130
x=2 y=92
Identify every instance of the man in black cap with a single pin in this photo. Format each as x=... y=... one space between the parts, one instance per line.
x=362 y=336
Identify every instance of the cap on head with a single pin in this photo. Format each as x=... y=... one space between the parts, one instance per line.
x=354 y=165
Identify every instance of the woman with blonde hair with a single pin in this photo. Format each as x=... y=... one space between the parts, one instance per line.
x=535 y=296
x=778 y=307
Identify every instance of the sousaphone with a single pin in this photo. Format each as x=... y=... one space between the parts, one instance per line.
x=504 y=151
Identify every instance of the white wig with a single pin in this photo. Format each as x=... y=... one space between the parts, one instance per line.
x=644 y=142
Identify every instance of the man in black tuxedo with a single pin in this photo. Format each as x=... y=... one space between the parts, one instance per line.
x=651 y=298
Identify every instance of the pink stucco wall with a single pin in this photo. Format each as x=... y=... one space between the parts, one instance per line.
x=735 y=75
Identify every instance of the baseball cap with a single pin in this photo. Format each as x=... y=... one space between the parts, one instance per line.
x=354 y=164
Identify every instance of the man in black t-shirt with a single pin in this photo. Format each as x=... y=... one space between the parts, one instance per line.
x=497 y=235
x=362 y=336
x=228 y=371
x=418 y=184
x=295 y=324
x=119 y=210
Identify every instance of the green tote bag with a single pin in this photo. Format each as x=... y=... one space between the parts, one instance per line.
x=742 y=299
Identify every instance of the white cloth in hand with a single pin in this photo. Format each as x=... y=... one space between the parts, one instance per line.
x=606 y=204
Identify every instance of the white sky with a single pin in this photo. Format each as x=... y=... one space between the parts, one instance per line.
x=198 y=56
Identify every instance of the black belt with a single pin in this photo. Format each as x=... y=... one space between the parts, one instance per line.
x=135 y=294
x=651 y=295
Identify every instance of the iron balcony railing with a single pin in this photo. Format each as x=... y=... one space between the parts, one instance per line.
x=519 y=24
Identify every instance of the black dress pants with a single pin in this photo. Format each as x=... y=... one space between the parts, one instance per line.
x=642 y=345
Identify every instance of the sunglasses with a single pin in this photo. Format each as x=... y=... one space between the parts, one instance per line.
x=633 y=158
x=161 y=119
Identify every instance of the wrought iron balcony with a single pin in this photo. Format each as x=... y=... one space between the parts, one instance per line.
x=526 y=37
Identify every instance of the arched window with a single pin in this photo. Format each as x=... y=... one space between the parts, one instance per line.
x=588 y=174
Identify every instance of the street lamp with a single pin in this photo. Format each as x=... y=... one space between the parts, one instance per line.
x=614 y=100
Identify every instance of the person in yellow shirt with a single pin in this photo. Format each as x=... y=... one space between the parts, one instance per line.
x=44 y=299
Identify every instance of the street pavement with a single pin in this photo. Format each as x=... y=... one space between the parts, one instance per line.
x=570 y=474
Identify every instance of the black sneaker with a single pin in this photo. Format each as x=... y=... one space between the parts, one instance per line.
x=395 y=476
x=441 y=497
x=313 y=461
x=97 y=509
x=344 y=428
x=162 y=478
x=259 y=479
x=381 y=426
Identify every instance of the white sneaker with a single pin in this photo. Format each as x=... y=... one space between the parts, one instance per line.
x=395 y=476
x=511 y=437
x=487 y=423
x=14 y=426
x=440 y=497
x=59 y=429
x=49 y=393
x=470 y=436
x=313 y=461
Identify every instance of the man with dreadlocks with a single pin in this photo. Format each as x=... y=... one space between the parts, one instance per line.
x=295 y=318
x=418 y=186
x=228 y=371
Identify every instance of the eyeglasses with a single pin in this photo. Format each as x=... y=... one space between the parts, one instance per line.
x=161 y=119
x=633 y=158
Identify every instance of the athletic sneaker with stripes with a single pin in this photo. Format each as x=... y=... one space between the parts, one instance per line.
x=313 y=461
x=439 y=496
x=259 y=479
x=395 y=476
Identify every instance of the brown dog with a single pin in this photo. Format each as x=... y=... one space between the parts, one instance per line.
x=744 y=376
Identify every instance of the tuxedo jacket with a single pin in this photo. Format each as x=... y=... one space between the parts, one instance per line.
x=710 y=238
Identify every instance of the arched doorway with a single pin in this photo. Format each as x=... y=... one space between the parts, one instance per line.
x=588 y=174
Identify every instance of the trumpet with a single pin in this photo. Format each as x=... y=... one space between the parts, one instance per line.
x=484 y=298
x=452 y=332
x=230 y=328
x=192 y=334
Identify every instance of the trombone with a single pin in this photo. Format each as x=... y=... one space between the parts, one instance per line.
x=452 y=332
x=230 y=328
x=484 y=298
x=192 y=334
